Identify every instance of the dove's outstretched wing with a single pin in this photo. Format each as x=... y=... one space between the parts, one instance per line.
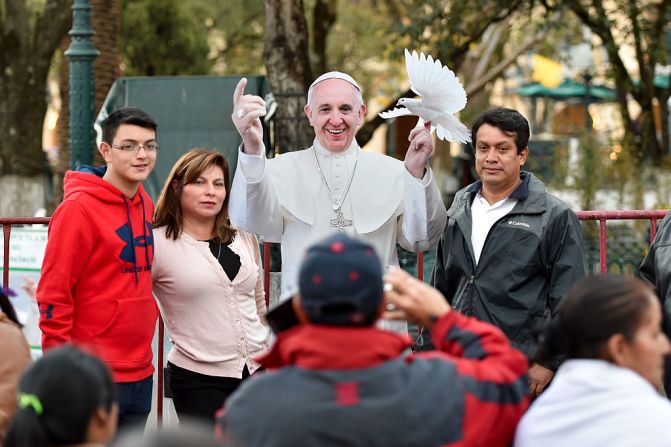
x=396 y=111
x=438 y=86
x=448 y=127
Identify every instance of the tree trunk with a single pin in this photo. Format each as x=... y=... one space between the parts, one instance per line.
x=106 y=21
x=285 y=55
x=26 y=49
x=650 y=142
x=323 y=18
x=22 y=115
x=663 y=98
x=646 y=32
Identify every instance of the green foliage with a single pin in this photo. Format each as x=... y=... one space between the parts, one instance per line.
x=358 y=44
x=640 y=26
x=563 y=34
x=235 y=30
x=607 y=165
x=591 y=169
x=161 y=37
x=548 y=160
x=447 y=28
x=458 y=33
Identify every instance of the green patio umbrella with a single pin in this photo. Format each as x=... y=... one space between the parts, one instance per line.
x=568 y=89
x=661 y=81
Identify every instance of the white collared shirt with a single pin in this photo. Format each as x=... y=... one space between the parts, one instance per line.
x=484 y=217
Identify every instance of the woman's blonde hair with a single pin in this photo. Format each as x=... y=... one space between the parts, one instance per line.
x=188 y=168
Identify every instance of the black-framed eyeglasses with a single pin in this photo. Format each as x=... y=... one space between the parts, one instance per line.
x=132 y=147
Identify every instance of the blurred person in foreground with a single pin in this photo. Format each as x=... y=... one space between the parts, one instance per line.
x=606 y=392
x=191 y=433
x=66 y=398
x=336 y=379
x=14 y=355
x=656 y=270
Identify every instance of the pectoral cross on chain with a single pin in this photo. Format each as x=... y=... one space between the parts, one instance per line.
x=340 y=222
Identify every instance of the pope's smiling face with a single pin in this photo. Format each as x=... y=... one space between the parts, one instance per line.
x=335 y=112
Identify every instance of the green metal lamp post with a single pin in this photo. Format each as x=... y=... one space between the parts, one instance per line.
x=82 y=54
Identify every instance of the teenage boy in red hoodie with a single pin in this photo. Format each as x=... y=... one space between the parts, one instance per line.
x=95 y=286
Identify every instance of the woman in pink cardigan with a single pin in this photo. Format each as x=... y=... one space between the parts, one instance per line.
x=208 y=279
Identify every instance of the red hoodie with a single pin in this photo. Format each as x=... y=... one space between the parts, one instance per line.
x=95 y=285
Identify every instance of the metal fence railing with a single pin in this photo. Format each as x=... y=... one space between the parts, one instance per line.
x=602 y=217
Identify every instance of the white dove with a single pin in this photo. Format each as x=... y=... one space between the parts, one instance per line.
x=442 y=96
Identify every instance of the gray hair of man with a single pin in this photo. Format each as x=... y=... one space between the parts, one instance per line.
x=336 y=75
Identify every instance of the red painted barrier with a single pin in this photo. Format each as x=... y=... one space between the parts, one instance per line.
x=603 y=216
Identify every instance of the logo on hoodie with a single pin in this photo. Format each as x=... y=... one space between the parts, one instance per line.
x=144 y=240
x=46 y=310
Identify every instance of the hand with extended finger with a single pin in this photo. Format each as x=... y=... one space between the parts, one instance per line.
x=419 y=151
x=407 y=298
x=247 y=110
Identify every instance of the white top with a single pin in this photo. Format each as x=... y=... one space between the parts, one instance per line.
x=216 y=325
x=594 y=403
x=484 y=217
x=284 y=199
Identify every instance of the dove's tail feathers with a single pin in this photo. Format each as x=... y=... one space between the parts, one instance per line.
x=451 y=129
x=397 y=111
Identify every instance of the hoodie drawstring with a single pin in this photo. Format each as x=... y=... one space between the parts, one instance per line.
x=132 y=239
x=144 y=233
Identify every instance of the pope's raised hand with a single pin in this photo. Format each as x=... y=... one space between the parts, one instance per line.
x=247 y=111
x=419 y=151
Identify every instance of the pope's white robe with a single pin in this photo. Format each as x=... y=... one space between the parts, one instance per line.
x=284 y=199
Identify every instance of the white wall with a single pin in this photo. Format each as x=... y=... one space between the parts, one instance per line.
x=21 y=196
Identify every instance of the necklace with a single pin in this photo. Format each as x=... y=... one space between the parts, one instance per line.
x=339 y=222
x=219 y=252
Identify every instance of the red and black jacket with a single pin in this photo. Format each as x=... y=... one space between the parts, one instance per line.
x=357 y=386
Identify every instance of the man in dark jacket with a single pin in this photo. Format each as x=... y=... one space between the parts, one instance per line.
x=335 y=379
x=510 y=250
x=656 y=270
